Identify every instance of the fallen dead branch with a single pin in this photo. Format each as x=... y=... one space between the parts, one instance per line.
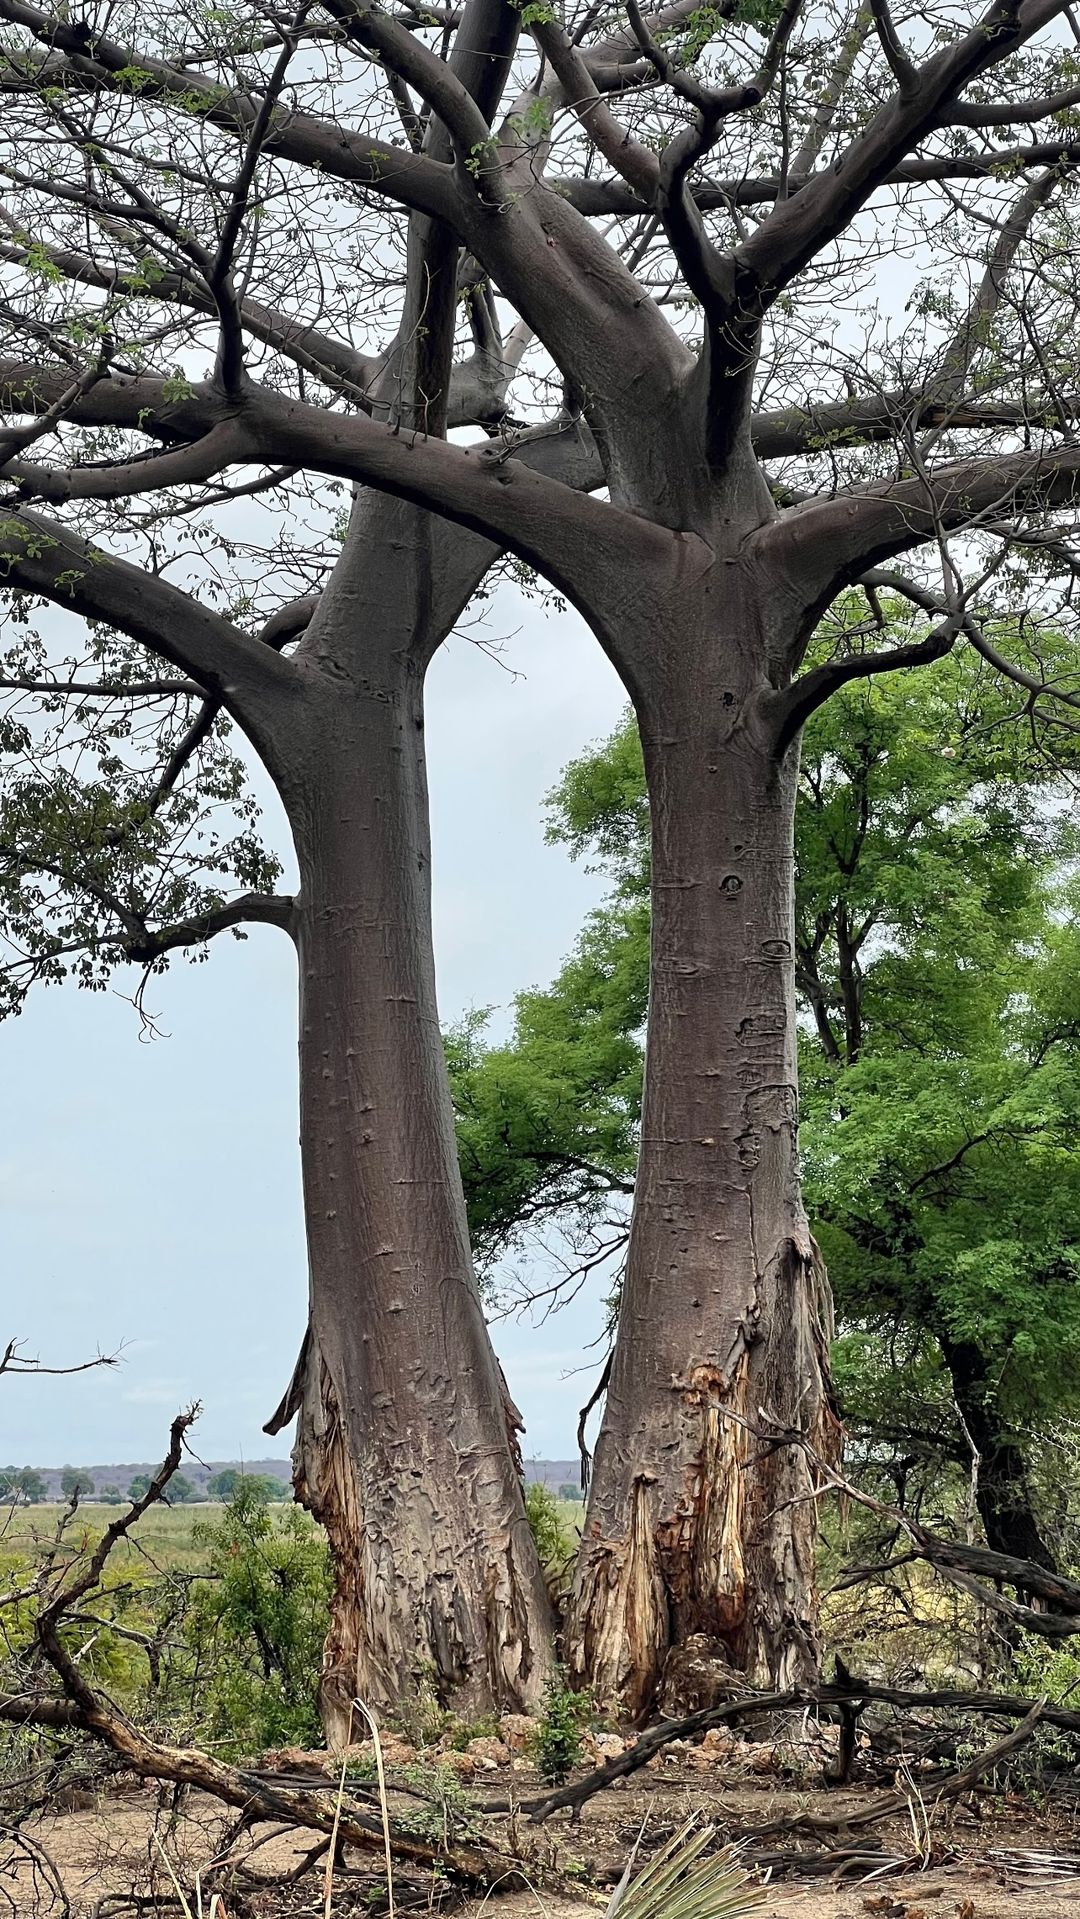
x=1056 y=1615
x=44 y=1873
x=83 y=1708
x=650 y=1743
x=833 y=1698
x=933 y=1793
x=840 y=1862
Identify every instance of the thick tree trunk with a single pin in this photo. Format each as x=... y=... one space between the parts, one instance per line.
x=693 y=1524
x=1003 y=1490
x=406 y=1447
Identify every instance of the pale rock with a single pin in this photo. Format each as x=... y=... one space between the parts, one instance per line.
x=515 y=1730
x=488 y=1753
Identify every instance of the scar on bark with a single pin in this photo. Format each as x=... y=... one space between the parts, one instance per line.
x=625 y=1607
x=324 y=1482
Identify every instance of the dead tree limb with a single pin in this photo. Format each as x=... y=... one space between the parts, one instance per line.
x=1057 y=1615
x=837 y=1825
x=83 y=1708
x=826 y=1698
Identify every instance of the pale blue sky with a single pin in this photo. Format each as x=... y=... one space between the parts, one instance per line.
x=150 y=1193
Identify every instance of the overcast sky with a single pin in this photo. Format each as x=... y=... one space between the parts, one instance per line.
x=150 y=1193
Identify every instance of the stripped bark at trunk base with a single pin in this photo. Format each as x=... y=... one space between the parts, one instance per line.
x=430 y=1606
x=723 y=1528
x=694 y=1525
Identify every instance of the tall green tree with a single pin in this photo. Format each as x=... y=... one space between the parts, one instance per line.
x=22 y=1484
x=938 y=971
x=76 y=1482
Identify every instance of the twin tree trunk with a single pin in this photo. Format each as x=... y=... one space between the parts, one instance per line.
x=406 y=1443
x=695 y=1522
x=702 y=1515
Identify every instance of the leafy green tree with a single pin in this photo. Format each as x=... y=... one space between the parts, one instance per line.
x=262 y=1488
x=182 y=1491
x=22 y=1484
x=110 y=1496
x=139 y=1486
x=938 y=967
x=257 y=1624
x=75 y=1481
x=554 y=1542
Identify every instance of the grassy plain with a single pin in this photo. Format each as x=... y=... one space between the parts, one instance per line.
x=165 y=1538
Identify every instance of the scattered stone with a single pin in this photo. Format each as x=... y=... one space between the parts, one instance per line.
x=296 y=1759
x=603 y=1745
x=462 y=1763
x=488 y=1753
x=717 y=1748
x=764 y=1759
x=515 y=1730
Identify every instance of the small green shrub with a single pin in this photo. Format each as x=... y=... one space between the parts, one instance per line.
x=555 y=1744
x=461 y=1731
x=256 y=1627
x=448 y=1814
x=422 y=1719
x=547 y=1525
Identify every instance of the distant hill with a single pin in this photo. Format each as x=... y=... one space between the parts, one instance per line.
x=550 y=1472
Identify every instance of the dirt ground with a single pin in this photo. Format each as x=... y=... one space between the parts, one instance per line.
x=994 y=1857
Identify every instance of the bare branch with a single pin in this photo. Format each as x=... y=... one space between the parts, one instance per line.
x=801 y=226
x=230 y=362
x=48 y=557
x=830 y=543
x=636 y=162
x=393 y=172
x=793 y=707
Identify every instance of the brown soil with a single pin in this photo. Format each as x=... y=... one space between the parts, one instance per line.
x=979 y=1860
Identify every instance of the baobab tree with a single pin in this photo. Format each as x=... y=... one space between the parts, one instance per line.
x=687 y=211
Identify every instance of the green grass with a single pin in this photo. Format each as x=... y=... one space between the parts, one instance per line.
x=164 y=1535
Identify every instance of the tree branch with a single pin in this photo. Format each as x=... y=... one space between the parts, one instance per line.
x=47 y=557
x=432 y=78
x=635 y=162
x=828 y=544
x=793 y=707
x=598 y=198
x=263 y=909
x=96 y=61
x=799 y=227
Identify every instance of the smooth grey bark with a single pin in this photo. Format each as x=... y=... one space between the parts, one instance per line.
x=406 y=1444
x=693 y=1524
